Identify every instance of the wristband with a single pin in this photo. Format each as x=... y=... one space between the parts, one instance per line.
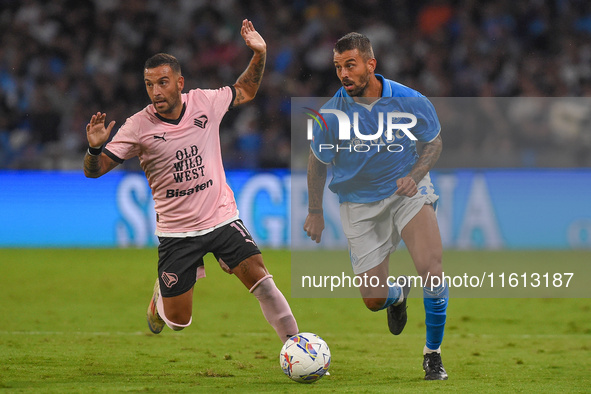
x=315 y=211
x=95 y=151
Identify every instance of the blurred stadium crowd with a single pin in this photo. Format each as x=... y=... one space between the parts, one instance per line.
x=63 y=60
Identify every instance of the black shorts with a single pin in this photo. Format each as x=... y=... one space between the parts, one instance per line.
x=179 y=258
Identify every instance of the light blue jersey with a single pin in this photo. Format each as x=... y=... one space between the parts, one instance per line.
x=365 y=169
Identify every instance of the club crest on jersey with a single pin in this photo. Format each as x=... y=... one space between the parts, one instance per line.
x=201 y=121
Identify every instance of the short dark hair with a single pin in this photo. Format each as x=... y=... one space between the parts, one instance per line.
x=357 y=41
x=161 y=59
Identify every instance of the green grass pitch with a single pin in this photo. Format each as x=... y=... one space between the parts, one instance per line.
x=74 y=321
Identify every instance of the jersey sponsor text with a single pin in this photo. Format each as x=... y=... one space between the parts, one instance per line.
x=181 y=193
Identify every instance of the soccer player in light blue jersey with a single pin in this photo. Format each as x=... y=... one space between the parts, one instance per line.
x=371 y=128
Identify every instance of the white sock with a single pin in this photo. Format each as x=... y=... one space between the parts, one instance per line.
x=173 y=326
x=427 y=350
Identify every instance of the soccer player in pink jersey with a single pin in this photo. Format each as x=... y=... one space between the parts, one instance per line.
x=176 y=139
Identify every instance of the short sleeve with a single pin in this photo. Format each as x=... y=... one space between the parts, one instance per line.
x=125 y=144
x=428 y=126
x=220 y=99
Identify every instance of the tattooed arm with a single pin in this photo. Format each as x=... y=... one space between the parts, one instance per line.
x=97 y=135
x=248 y=83
x=314 y=224
x=407 y=186
x=95 y=166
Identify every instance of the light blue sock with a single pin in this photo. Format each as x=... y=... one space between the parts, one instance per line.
x=394 y=292
x=435 y=301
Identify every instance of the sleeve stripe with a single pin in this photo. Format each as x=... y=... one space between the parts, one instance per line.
x=113 y=156
x=431 y=140
x=317 y=158
x=233 y=97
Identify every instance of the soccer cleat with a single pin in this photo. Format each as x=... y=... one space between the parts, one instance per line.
x=155 y=322
x=397 y=313
x=433 y=367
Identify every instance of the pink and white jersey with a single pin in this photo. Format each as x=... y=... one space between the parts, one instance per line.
x=182 y=160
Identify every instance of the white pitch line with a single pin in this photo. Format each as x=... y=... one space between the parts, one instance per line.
x=140 y=333
x=105 y=333
x=116 y=333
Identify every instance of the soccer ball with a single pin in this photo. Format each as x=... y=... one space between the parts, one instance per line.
x=305 y=357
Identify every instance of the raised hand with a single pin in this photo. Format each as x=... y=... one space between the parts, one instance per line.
x=252 y=38
x=96 y=133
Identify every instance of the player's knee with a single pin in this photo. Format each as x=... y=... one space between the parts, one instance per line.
x=264 y=287
x=374 y=304
x=430 y=266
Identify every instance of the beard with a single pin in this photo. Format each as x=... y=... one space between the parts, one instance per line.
x=170 y=106
x=361 y=87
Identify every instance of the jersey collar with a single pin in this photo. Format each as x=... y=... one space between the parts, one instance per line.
x=386 y=90
x=172 y=121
